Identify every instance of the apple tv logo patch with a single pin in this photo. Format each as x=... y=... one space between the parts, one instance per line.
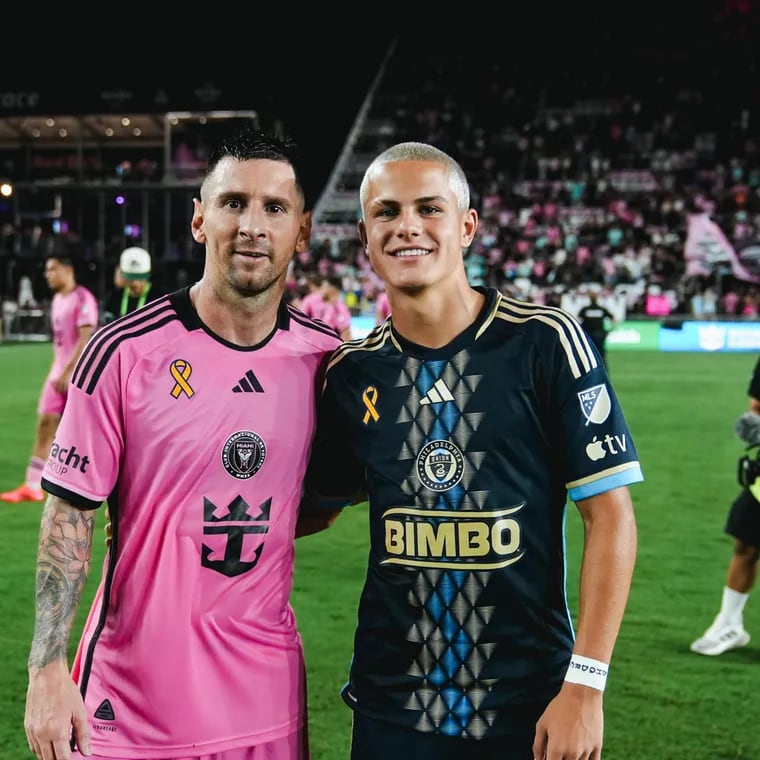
x=610 y=444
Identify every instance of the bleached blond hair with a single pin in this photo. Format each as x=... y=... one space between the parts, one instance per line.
x=419 y=151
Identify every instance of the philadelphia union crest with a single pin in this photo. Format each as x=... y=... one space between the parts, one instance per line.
x=243 y=454
x=440 y=465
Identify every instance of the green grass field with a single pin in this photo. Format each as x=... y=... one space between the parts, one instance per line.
x=662 y=701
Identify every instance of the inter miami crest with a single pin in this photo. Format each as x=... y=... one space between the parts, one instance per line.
x=243 y=454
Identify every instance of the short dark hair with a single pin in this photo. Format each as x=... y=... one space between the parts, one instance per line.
x=249 y=143
x=335 y=280
x=64 y=253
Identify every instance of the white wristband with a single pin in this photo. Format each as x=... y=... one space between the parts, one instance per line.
x=587 y=672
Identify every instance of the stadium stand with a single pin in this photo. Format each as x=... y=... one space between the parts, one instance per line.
x=614 y=159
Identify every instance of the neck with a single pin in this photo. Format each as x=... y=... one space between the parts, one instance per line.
x=432 y=317
x=136 y=288
x=242 y=320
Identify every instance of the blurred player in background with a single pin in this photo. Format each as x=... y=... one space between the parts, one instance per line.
x=597 y=320
x=73 y=319
x=470 y=419
x=327 y=304
x=193 y=416
x=727 y=632
x=382 y=308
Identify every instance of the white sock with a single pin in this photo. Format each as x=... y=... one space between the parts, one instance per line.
x=732 y=606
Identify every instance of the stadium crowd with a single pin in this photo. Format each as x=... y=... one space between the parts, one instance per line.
x=583 y=181
x=585 y=178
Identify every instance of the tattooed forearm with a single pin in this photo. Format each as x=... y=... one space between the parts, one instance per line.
x=63 y=563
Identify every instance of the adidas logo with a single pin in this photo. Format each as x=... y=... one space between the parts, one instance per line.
x=437 y=394
x=248 y=384
x=105 y=711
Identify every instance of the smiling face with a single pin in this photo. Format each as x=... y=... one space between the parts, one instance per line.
x=251 y=219
x=412 y=228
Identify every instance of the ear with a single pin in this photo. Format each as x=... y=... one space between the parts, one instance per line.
x=196 y=225
x=362 y=233
x=304 y=236
x=469 y=227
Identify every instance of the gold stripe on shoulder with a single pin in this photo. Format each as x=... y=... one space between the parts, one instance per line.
x=572 y=338
x=491 y=315
x=376 y=339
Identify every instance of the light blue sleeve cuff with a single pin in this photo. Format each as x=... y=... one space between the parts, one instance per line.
x=606 y=482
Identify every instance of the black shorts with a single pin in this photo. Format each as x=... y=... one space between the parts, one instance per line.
x=377 y=740
x=743 y=520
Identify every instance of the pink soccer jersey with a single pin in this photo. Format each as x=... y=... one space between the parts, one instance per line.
x=200 y=448
x=382 y=307
x=69 y=312
x=312 y=304
x=336 y=314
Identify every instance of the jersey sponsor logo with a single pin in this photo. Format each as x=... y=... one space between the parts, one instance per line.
x=437 y=394
x=243 y=454
x=440 y=465
x=227 y=530
x=613 y=444
x=249 y=383
x=595 y=404
x=62 y=458
x=181 y=370
x=452 y=540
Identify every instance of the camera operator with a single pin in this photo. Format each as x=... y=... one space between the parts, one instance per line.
x=743 y=524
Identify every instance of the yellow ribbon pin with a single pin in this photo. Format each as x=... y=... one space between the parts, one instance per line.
x=181 y=371
x=369 y=397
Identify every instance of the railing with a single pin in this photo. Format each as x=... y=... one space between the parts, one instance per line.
x=26 y=324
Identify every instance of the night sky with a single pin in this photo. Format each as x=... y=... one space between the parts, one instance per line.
x=312 y=67
x=307 y=71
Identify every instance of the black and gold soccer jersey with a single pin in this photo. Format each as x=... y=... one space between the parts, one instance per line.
x=469 y=452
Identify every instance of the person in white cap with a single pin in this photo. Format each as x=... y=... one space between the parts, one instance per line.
x=134 y=288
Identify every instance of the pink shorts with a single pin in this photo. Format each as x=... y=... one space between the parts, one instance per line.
x=51 y=401
x=290 y=747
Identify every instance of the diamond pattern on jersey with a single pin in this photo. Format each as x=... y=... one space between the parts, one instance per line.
x=450 y=623
x=445 y=420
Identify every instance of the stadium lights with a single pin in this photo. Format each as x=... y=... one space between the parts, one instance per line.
x=6 y=189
